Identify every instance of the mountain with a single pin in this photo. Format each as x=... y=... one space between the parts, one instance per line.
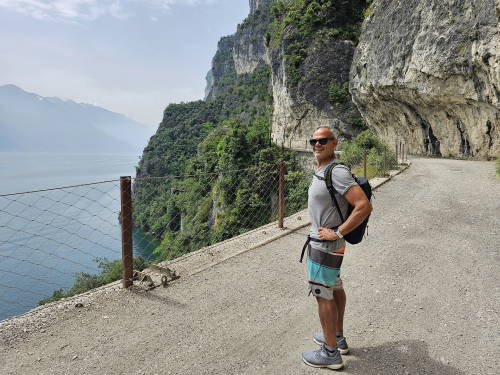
x=33 y=123
x=308 y=46
x=425 y=74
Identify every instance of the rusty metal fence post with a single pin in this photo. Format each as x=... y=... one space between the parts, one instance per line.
x=281 y=195
x=126 y=225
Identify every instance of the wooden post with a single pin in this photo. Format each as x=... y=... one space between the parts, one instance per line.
x=397 y=162
x=281 y=195
x=126 y=223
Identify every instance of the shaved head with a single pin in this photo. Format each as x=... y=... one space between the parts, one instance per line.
x=332 y=133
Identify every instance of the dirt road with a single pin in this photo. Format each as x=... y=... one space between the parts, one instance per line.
x=423 y=298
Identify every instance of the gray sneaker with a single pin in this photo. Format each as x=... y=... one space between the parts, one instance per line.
x=323 y=358
x=341 y=342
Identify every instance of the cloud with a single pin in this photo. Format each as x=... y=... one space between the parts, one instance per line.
x=88 y=10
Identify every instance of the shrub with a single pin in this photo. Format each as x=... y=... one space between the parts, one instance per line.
x=359 y=123
x=109 y=271
x=352 y=154
x=338 y=94
x=379 y=155
x=296 y=185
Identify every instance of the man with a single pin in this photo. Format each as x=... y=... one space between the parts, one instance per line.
x=327 y=246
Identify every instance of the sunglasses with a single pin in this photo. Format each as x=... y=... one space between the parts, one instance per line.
x=322 y=141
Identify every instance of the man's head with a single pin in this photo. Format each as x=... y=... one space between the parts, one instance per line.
x=323 y=142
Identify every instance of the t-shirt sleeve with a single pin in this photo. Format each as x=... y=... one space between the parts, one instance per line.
x=342 y=179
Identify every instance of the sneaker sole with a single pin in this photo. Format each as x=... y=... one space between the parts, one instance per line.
x=342 y=351
x=333 y=367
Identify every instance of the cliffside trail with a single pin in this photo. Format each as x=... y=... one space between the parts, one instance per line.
x=423 y=295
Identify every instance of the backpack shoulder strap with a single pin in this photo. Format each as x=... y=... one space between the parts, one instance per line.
x=331 y=189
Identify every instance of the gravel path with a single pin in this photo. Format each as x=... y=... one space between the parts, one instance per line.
x=423 y=298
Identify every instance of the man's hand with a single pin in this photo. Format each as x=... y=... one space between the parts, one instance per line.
x=327 y=234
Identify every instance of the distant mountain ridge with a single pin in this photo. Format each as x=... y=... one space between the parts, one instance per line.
x=33 y=123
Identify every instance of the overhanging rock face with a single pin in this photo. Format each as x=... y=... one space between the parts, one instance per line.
x=427 y=72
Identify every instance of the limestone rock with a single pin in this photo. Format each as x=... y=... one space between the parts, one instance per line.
x=427 y=72
x=242 y=52
x=255 y=4
x=298 y=111
x=250 y=50
x=222 y=63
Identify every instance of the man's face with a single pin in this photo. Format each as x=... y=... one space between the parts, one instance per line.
x=327 y=151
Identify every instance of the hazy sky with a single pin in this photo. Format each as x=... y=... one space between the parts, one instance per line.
x=129 y=56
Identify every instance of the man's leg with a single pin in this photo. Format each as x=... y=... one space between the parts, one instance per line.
x=328 y=317
x=340 y=300
x=328 y=355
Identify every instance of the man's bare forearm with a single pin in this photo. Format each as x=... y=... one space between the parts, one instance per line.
x=360 y=213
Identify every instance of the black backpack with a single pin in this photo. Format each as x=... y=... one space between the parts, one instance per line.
x=356 y=235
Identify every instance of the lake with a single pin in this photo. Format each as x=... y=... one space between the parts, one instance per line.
x=51 y=229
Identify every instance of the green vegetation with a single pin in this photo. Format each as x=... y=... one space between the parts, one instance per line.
x=359 y=123
x=214 y=142
x=209 y=145
x=296 y=186
x=369 y=9
x=296 y=23
x=338 y=94
x=380 y=157
x=257 y=22
x=498 y=166
x=109 y=272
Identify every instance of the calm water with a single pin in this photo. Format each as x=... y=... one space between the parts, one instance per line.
x=48 y=236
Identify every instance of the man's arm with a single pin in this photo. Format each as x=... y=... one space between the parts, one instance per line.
x=362 y=208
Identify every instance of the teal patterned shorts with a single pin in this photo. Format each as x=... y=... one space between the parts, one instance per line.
x=323 y=270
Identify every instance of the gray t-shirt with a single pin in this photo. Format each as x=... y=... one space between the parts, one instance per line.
x=322 y=210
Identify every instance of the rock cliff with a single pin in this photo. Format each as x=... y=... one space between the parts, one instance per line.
x=427 y=72
x=249 y=50
x=222 y=66
x=255 y=4
x=300 y=107
x=311 y=55
x=242 y=52
x=298 y=110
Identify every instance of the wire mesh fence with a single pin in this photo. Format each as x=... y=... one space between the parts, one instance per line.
x=49 y=238
x=190 y=212
x=55 y=241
